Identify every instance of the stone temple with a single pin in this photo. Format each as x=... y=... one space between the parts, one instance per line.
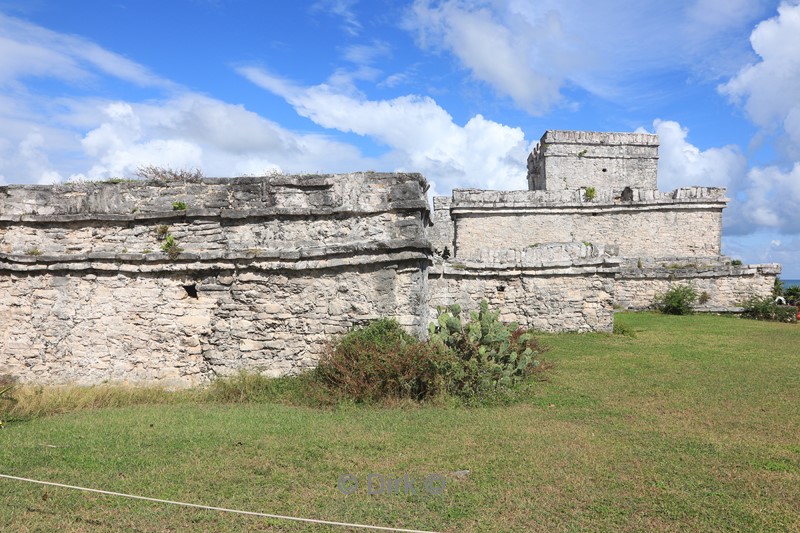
x=175 y=282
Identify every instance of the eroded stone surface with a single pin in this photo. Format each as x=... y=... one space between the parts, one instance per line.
x=269 y=270
x=266 y=270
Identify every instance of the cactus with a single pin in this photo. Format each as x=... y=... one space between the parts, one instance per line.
x=493 y=354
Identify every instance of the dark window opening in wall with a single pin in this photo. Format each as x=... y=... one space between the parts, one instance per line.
x=501 y=288
x=627 y=194
x=191 y=290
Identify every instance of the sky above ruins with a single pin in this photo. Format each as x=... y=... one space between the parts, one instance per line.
x=457 y=90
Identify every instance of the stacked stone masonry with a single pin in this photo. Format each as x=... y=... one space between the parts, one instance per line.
x=565 y=160
x=264 y=271
x=554 y=287
x=600 y=189
x=270 y=269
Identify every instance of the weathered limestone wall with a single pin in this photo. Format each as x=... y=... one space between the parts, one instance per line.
x=558 y=287
x=273 y=213
x=269 y=271
x=441 y=233
x=685 y=222
x=574 y=159
x=725 y=285
x=92 y=325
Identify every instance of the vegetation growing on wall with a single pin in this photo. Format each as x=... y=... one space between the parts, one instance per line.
x=152 y=172
x=171 y=248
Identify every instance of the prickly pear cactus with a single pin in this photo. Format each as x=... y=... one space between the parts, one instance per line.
x=494 y=354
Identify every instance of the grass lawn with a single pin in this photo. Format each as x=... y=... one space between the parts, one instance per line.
x=693 y=424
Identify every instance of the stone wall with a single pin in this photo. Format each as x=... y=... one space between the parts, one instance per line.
x=269 y=271
x=182 y=323
x=441 y=232
x=685 y=222
x=557 y=287
x=725 y=285
x=574 y=159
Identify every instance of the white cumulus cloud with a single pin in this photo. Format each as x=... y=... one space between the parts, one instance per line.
x=768 y=89
x=682 y=164
x=420 y=135
x=531 y=52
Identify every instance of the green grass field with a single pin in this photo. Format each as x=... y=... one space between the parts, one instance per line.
x=693 y=424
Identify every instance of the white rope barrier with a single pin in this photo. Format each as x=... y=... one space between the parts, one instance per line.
x=221 y=509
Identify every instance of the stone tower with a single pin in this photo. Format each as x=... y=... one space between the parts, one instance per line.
x=566 y=160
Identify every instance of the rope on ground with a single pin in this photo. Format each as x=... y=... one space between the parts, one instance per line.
x=210 y=508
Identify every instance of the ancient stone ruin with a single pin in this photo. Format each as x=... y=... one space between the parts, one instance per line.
x=178 y=281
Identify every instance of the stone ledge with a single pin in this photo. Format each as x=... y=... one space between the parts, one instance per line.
x=421 y=245
x=282 y=195
x=222 y=214
x=466 y=200
x=698 y=271
x=512 y=272
x=599 y=137
x=193 y=262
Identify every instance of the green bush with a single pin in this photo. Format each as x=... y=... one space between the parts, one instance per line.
x=765 y=308
x=677 y=300
x=479 y=359
x=491 y=354
x=179 y=206
x=381 y=361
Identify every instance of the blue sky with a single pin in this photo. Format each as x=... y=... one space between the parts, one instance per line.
x=457 y=90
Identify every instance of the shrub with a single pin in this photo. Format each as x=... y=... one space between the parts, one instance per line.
x=152 y=172
x=677 y=300
x=590 y=193
x=736 y=262
x=765 y=308
x=179 y=206
x=704 y=298
x=161 y=231
x=171 y=248
x=381 y=361
x=491 y=354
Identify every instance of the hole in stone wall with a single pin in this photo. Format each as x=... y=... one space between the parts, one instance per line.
x=627 y=194
x=501 y=288
x=605 y=170
x=191 y=290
